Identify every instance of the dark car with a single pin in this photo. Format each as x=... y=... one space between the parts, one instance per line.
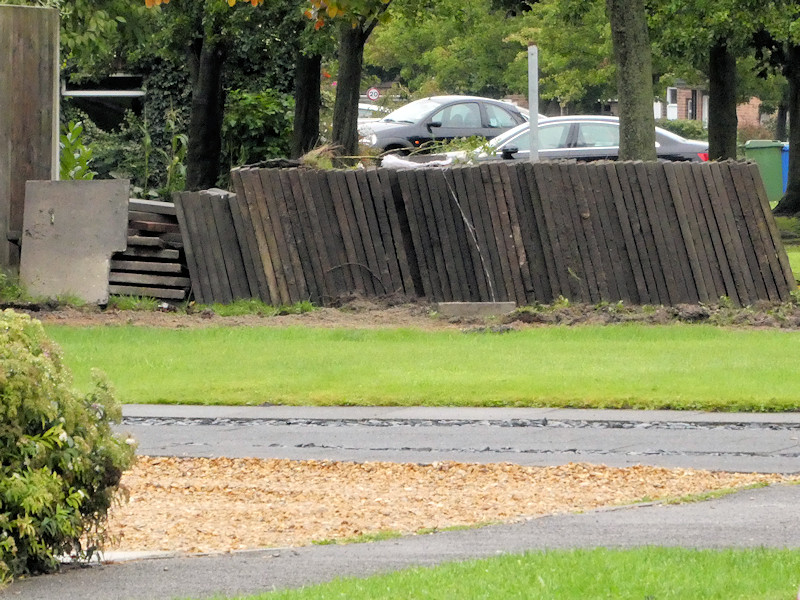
x=586 y=138
x=440 y=118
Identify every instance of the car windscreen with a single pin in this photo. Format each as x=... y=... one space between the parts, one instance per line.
x=412 y=112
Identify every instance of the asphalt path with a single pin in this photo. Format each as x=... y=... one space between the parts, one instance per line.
x=768 y=517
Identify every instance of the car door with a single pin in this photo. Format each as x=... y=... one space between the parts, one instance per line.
x=459 y=119
x=554 y=142
x=596 y=141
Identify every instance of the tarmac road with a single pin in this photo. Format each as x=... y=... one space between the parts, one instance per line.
x=767 y=517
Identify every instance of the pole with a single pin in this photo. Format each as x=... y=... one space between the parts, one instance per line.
x=533 y=99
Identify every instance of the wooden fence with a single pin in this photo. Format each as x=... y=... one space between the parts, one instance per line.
x=643 y=233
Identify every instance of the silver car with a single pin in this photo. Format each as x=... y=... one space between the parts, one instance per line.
x=586 y=138
x=440 y=118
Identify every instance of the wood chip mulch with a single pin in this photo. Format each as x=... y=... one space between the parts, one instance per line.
x=222 y=504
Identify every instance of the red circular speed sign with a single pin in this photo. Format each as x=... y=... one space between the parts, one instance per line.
x=373 y=94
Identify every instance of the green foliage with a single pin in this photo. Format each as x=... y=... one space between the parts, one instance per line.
x=75 y=157
x=10 y=289
x=692 y=130
x=60 y=463
x=256 y=126
x=143 y=303
x=252 y=306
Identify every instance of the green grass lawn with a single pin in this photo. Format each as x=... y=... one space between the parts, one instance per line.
x=676 y=366
x=649 y=573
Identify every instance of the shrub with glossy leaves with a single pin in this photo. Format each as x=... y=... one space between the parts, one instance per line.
x=60 y=462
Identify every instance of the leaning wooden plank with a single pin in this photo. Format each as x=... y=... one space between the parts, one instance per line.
x=481 y=219
x=364 y=231
x=201 y=284
x=147 y=292
x=520 y=226
x=677 y=255
x=738 y=256
x=701 y=276
x=384 y=236
x=457 y=212
x=474 y=238
x=318 y=244
x=657 y=220
x=298 y=238
x=253 y=193
x=273 y=230
x=156 y=206
x=401 y=232
x=145 y=266
x=256 y=280
x=145 y=279
x=628 y=224
x=591 y=205
x=368 y=204
x=419 y=234
x=153 y=226
x=354 y=251
x=445 y=277
x=188 y=247
x=541 y=253
x=759 y=233
x=442 y=217
x=487 y=195
x=287 y=240
x=229 y=245
x=512 y=250
x=339 y=278
x=781 y=268
x=217 y=273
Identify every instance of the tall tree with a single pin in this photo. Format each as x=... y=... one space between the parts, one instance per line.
x=631 y=41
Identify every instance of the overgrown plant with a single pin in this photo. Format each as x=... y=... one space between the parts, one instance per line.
x=75 y=158
x=60 y=463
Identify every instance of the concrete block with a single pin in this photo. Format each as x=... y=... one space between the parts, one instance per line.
x=70 y=230
x=475 y=309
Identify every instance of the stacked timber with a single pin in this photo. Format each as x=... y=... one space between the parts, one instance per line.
x=153 y=264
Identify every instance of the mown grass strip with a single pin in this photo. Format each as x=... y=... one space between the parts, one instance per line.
x=647 y=573
x=679 y=366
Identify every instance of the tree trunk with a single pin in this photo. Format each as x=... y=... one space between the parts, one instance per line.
x=306 y=103
x=722 y=119
x=348 y=88
x=205 y=121
x=631 y=41
x=790 y=203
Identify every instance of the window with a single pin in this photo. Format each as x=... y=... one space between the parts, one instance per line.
x=553 y=136
x=465 y=114
x=499 y=117
x=597 y=135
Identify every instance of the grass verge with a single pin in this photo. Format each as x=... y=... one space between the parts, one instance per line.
x=626 y=366
x=641 y=574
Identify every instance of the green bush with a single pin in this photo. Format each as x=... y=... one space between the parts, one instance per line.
x=60 y=463
x=692 y=130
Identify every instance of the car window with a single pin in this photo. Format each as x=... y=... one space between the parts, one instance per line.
x=553 y=136
x=499 y=117
x=597 y=135
x=464 y=114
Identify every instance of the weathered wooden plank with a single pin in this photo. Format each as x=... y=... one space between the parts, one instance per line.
x=214 y=253
x=504 y=278
x=398 y=220
x=147 y=292
x=288 y=239
x=318 y=243
x=518 y=289
x=457 y=230
x=630 y=233
x=451 y=245
x=148 y=241
x=371 y=209
x=188 y=249
x=597 y=236
x=166 y=254
x=245 y=237
x=723 y=205
x=779 y=261
x=203 y=291
x=587 y=244
x=477 y=264
x=151 y=217
x=335 y=262
x=440 y=278
x=153 y=227
x=561 y=205
x=147 y=279
x=300 y=237
x=367 y=229
x=520 y=219
x=536 y=238
x=657 y=220
x=145 y=266
x=354 y=253
x=419 y=234
x=385 y=235
x=277 y=221
x=676 y=252
x=255 y=201
x=701 y=275
x=152 y=206
x=759 y=235
x=229 y=245
x=482 y=220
